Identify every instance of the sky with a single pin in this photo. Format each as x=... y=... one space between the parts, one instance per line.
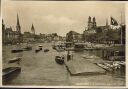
x=59 y=16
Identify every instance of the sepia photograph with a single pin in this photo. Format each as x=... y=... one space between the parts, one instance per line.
x=63 y=43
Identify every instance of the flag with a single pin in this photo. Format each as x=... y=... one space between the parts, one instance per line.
x=114 y=22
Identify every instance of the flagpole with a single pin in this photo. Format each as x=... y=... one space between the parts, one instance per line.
x=121 y=28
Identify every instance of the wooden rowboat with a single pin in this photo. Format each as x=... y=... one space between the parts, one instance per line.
x=59 y=59
x=17 y=59
x=9 y=72
x=46 y=50
x=16 y=50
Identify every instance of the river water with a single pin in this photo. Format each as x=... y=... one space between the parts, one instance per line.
x=41 y=69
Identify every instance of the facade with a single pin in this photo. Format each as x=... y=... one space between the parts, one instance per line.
x=9 y=36
x=30 y=36
x=91 y=28
x=27 y=37
x=73 y=36
x=3 y=32
x=108 y=34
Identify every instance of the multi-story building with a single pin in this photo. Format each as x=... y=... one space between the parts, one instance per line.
x=73 y=36
x=9 y=36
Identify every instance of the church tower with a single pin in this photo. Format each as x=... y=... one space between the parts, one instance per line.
x=18 y=27
x=33 y=30
x=94 y=22
x=3 y=32
x=3 y=25
x=89 y=23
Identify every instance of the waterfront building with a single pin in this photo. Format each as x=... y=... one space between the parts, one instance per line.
x=27 y=37
x=3 y=32
x=73 y=36
x=9 y=36
x=109 y=34
x=30 y=36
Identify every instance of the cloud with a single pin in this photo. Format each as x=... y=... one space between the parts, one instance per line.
x=59 y=20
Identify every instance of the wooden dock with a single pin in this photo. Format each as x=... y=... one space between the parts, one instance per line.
x=83 y=66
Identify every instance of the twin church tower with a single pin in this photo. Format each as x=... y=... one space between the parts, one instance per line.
x=91 y=23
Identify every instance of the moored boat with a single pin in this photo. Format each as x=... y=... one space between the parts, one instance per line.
x=59 y=49
x=37 y=50
x=54 y=47
x=27 y=48
x=78 y=47
x=104 y=66
x=17 y=59
x=46 y=50
x=40 y=47
x=16 y=50
x=9 y=72
x=59 y=46
x=59 y=59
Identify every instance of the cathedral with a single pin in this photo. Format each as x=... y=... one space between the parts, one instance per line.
x=91 y=23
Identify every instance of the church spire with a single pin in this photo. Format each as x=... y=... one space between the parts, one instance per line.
x=2 y=21
x=18 y=20
x=33 y=29
x=18 y=28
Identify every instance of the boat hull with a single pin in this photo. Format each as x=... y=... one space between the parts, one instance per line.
x=46 y=50
x=10 y=73
x=15 y=60
x=59 y=60
x=27 y=48
x=37 y=50
x=16 y=51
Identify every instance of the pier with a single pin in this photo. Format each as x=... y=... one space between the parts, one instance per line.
x=83 y=67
